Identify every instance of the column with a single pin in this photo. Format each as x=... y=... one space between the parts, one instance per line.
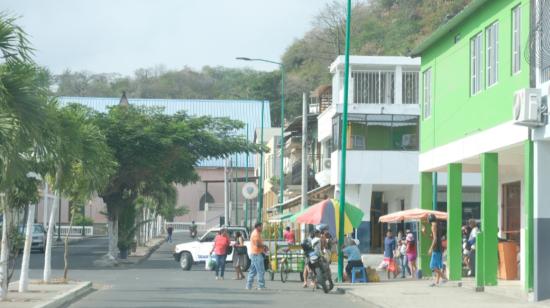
x=424 y=237
x=364 y=203
x=489 y=217
x=541 y=219
x=454 y=223
x=528 y=208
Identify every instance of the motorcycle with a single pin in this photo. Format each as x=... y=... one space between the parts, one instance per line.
x=193 y=232
x=319 y=268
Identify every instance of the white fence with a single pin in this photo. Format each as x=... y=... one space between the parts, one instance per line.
x=75 y=230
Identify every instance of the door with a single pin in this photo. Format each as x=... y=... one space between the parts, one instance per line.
x=511 y=211
x=377 y=209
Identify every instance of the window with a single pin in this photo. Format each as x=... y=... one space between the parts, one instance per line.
x=427 y=92
x=544 y=49
x=373 y=87
x=357 y=142
x=516 y=39
x=491 y=54
x=475 y=64
x=206 y=198
x=409 y=91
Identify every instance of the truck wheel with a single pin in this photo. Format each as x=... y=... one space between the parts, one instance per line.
x=186 y=260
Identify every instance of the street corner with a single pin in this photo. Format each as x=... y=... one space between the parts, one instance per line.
x=42 y=295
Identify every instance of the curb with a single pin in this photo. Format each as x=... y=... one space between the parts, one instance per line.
x=144 y=257
x=352 y=294
x=63 y=299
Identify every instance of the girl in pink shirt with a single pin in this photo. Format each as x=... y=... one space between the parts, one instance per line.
x=221 y=244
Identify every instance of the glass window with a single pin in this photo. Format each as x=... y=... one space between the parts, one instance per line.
x=491 y=54
x=409 y=89
x=475 y=64
x=427 y=93
x=516 y=39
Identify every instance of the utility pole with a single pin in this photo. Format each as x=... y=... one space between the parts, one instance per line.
x=304 y=163
x=225 y=193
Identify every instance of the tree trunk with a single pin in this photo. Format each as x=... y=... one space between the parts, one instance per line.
x=66 y=253
x=4 y=255
x=113 y=236
x=24 y=276
x=49 y=236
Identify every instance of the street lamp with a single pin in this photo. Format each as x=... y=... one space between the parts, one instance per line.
x=281 y=174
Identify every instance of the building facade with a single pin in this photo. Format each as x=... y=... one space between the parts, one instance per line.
x=473 y=69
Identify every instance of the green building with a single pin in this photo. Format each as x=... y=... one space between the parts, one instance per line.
x=480 y=107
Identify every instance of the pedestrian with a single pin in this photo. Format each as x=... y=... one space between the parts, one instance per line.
x=402 y=254
x=411 y=252
x=354 y=257
x=289 y=236
x=257 y=249
x=239 y=255
x=169 y=230
x=436 y=251
x=389 y=251
x=221 y=244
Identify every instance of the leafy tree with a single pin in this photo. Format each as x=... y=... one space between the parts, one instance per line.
x=152 y=147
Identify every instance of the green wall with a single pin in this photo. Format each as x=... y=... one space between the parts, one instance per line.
x=455 y=114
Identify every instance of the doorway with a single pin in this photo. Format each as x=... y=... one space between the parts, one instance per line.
x=378 y=208
x=511 y=211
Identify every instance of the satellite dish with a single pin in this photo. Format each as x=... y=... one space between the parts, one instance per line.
x=250 y=191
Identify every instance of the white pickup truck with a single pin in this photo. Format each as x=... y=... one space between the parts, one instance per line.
x=190 y=253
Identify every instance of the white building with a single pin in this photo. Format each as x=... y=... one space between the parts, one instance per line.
x=382 y=142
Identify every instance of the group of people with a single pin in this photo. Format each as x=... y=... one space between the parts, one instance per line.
x=469 y=235
x=400 y=254
x=222 y=247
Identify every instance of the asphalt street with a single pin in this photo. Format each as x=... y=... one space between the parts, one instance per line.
x=159 y=282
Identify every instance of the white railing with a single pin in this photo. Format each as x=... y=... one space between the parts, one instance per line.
x=409 y=88
x=75 y=230
x=183 y=226
x=373 y=87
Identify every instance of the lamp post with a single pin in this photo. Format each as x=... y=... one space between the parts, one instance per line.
x=344 y=148
x=281 y=174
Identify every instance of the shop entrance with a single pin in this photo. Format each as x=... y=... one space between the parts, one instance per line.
x=511 y=211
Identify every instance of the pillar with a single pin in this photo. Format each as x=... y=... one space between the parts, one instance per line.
x=426 y=199
x=541 y=221
x=454 y=223
x=528 y=223
x=489 y=218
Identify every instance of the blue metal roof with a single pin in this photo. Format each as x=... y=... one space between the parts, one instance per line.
x=247 y=111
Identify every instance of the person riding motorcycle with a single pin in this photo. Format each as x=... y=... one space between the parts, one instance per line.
x=193 y=229
x=312 y=248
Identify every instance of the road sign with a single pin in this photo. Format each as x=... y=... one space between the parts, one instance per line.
x=250 y=191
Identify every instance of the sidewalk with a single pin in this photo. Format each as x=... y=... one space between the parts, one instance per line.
x=418 y=293
x=45 y=295
x=141 y=253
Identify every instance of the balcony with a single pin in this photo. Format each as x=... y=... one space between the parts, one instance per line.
x=376 y=167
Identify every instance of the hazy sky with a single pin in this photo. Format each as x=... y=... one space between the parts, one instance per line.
x=123 y=35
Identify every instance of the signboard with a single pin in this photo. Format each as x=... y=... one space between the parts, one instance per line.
x=250 y=191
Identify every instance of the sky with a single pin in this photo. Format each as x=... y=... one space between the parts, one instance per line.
x=120 y=36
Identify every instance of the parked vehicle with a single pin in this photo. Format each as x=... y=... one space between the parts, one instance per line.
x=38 y=237
x=193 y=252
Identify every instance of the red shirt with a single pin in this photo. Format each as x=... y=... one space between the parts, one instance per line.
x=221 y=243
x=289 y=237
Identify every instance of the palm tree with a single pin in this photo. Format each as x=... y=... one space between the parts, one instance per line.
x=82 y=165
x=23 y=100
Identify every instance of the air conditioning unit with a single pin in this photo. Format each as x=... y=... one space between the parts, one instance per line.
x=408 y=140
x=326 y=163
x=527 y=107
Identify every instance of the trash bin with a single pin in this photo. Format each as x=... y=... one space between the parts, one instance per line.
x=508 y=261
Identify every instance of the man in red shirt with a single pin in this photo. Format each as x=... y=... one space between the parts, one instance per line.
x=288 y=235
x=221 y=243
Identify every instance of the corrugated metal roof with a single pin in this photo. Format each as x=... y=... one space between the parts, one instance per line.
x=247 y=111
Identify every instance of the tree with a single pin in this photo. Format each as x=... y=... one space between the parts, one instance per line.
x=151 y=147
x=23 y=99
x=82 y=164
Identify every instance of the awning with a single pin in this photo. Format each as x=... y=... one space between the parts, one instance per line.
x=314 y=196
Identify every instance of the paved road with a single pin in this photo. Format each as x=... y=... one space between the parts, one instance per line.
x=159 y=282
